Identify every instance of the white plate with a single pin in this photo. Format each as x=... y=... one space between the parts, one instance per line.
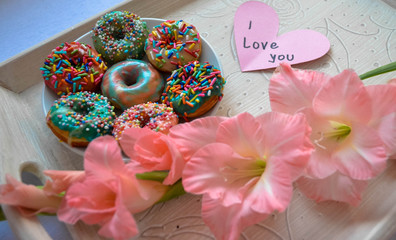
x=207 y=54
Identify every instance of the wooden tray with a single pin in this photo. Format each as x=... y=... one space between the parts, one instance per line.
x=362 y=36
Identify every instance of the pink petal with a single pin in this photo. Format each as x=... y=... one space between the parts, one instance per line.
x=130 y=137
x=102 y=157
x=365 y=158
x=61 y=180
x=154 y=151
x=227 y=223
x=214 y=170
x=287 y=138
x=291 y=90
x=336 y=187
x=384 y=113
x=27 y=198
x=344 y=96
x=121 y=226
x=274 y=189
x=189 y=137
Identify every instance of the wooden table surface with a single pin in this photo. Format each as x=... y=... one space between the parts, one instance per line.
x=362 y=35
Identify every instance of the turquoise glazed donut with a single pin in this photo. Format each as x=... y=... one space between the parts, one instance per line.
x=194 y=89
x=119 y=36
x=132 y=82
x=78 y=118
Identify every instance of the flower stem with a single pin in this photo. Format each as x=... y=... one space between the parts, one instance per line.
x=158 y=176
x=2 y=215
x=175 y=190
x=383 y=69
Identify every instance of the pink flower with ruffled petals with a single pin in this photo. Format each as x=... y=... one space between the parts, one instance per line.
x=246 y=168
x=154 y=151
x=353 y=127
x=28 y=199
x=61 y=180
x=110 y=192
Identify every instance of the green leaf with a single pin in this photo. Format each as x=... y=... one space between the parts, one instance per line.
x=383 y=69
x=175 y=190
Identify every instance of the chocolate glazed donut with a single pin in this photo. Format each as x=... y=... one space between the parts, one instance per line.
x=132 y=82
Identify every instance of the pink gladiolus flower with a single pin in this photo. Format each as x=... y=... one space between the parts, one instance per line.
x=110 y=192
x=246 y=168
x=353 y=127
x=154 y=151
x=29 y=199
x=61 y=180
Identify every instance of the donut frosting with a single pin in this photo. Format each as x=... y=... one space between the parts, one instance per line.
x=84 y=115
x=157 y=117
x=120 y=35
x=172 y=44
x=190 y=87
x=73 y=67
x=132 y=82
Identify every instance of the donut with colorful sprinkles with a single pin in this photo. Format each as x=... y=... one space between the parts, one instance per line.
x=73 y=67
x=120 y=35
x=194 y=89
x=172 y=44
x=78 y=118
x=155 y=116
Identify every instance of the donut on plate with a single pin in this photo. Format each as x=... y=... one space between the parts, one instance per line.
x=173 y=43
x=192 y=90
x=157 y=117
x=120 y=35
x=78 y=118
x=73 y=67
x=132 y=82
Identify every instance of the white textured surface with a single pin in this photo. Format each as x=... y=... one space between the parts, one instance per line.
x=25 y=23
x=362 y=35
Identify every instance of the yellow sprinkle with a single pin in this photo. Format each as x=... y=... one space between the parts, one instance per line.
x=92 y=78
x=191 y=46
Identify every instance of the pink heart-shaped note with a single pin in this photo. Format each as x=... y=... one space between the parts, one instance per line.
x=258 y=46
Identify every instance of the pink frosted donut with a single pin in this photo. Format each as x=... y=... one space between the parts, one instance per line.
x=155 y=116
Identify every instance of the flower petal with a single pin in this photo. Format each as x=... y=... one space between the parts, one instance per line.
x=336 y=187
x=384 y=113
x=227 y=223
x=366 y=156
x=191 y=136
x=291 y=90
x=61 y=180
x=102 y=157
x=215 y=170
x=130 y=137
x=344 y=95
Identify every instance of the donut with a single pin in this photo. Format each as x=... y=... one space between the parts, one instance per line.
x=155 y=116
x=192 y=90
x=132 y=82
x=120 y=35
x=78 y=118
x=172 y=44
x=73 y=67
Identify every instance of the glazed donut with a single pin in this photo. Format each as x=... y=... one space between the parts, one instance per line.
x=172 y=44
x=157 y=117
x=132 y=82
x=73 y=67
x=78 y=118
x=194 y=89
x=119 y=36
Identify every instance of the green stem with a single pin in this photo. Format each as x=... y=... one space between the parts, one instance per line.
x=383 y=69
x=2 y=215
x=175 y=190
x=158 y=176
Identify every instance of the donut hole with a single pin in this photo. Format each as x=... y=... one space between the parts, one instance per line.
x=118 y=34
x=81 y=107
x=130 y=78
